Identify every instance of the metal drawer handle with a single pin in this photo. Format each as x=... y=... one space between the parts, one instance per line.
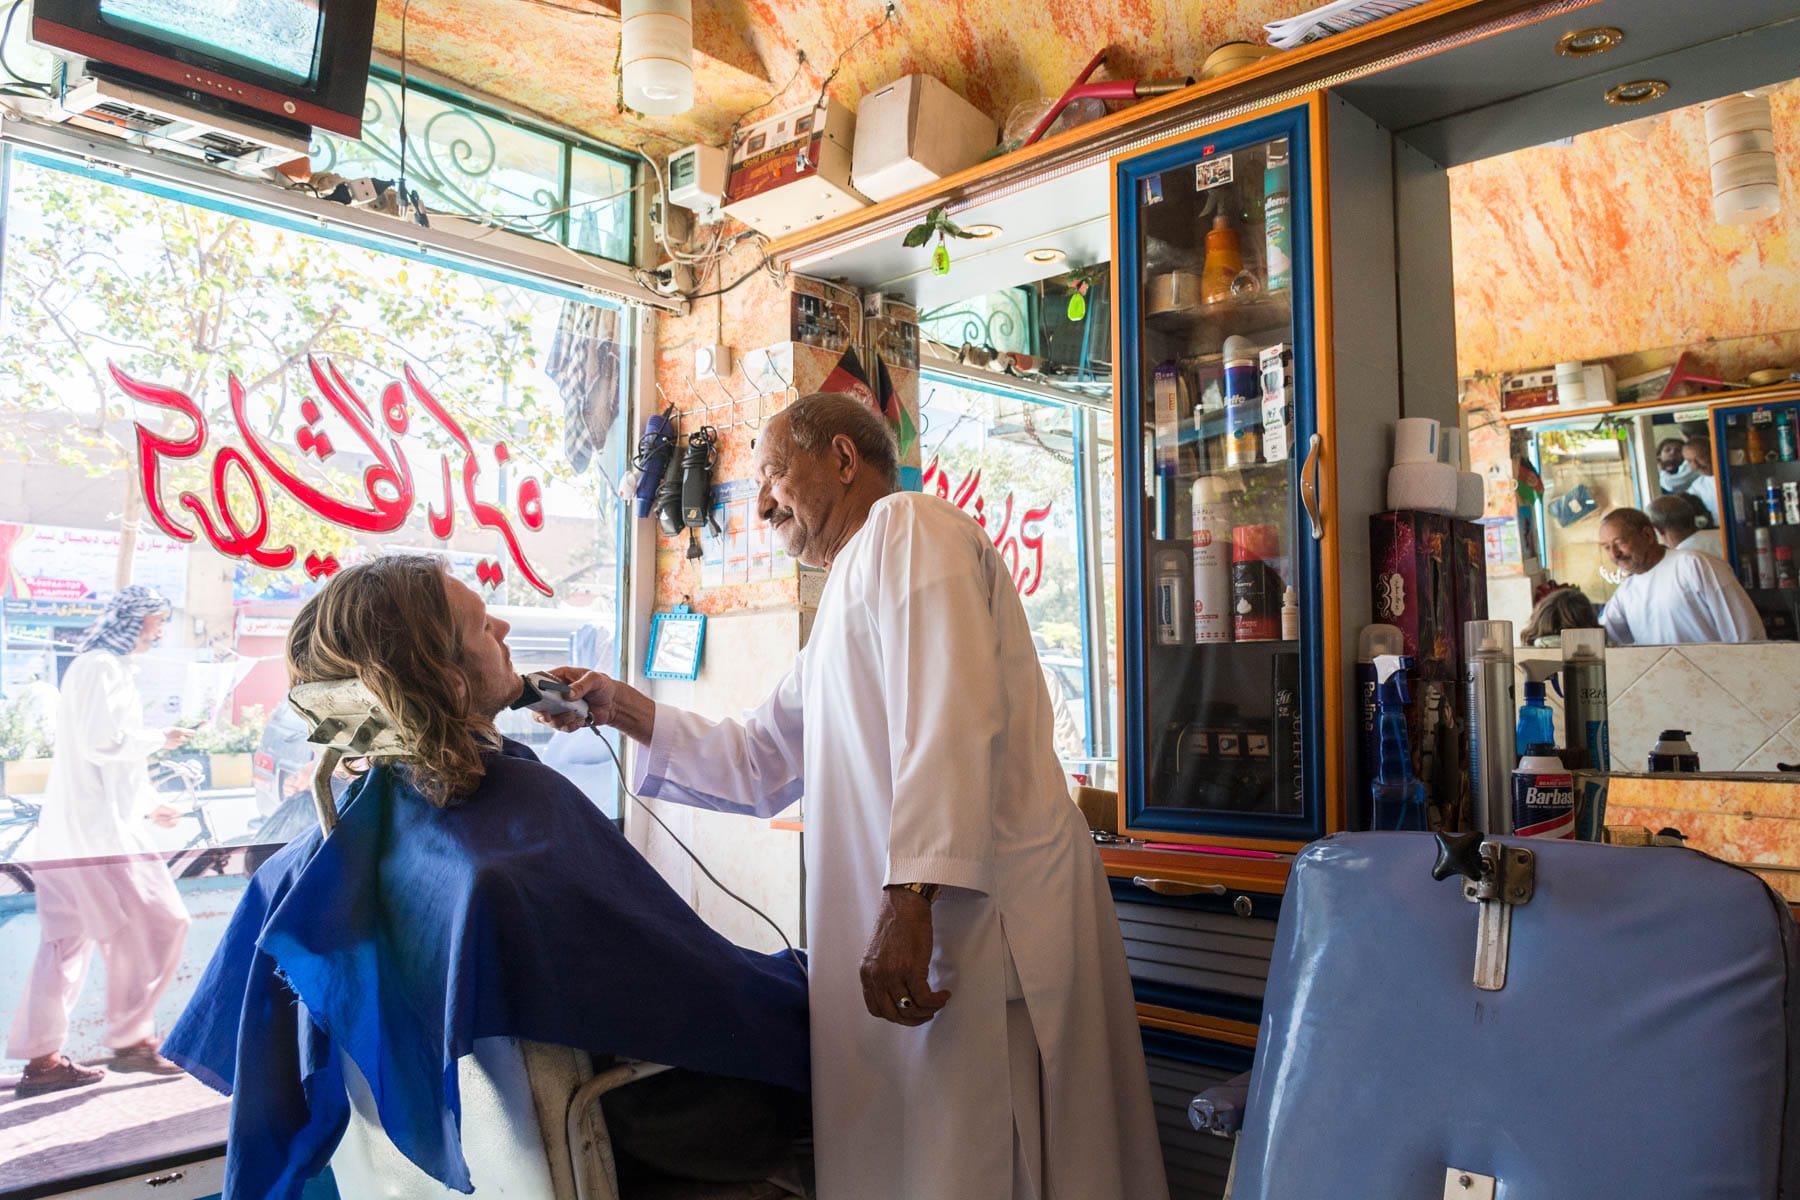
x=1309 y=486
x=1178 y=887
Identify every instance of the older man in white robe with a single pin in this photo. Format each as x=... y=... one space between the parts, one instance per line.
x=973 y=1030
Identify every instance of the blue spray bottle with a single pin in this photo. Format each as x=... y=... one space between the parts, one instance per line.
x=1536 y=722
x=1399 y=797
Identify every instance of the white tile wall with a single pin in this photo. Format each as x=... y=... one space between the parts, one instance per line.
x=1740 y=704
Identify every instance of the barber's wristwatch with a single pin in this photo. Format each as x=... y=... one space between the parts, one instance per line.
x=927 y=890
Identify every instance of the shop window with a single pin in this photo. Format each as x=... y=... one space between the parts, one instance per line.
x=466 y=160
x=1012 y=461
x=368 y=382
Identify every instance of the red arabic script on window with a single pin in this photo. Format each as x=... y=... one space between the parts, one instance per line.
x=387 y=494
x=1022 y=547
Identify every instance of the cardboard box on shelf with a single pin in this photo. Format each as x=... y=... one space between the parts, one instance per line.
x=914 y=131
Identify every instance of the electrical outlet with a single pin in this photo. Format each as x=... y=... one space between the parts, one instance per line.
x=712 y=362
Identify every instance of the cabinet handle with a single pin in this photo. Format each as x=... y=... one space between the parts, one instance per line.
x=1178 y=887
x=1309 y=487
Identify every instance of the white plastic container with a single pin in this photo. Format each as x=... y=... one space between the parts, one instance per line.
x=1212 y=563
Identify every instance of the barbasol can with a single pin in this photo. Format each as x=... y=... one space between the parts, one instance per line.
x=1543 y=795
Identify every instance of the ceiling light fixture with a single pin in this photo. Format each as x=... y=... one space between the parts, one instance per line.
x=1584 y=43
x=1045 y=254
x=1638 y=91
x=656 y=55
x=983 y=232
x=1740 y=149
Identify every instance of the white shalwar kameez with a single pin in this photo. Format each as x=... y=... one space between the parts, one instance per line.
x=917 y=724
x=117 y=894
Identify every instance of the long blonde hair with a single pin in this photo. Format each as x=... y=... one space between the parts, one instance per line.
x=387 y=623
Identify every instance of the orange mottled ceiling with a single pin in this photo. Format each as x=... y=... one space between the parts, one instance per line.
x=558 y=59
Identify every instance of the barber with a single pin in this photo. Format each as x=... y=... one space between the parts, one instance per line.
x=973 y=1029
x=1670 y=596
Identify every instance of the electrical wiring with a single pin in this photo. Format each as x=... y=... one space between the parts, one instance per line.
x=648 y=812
x=799 y=65
x=887 y=14
x=5 y=35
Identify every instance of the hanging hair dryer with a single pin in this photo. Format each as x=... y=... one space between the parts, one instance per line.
x=697 y=464
x=654 y=449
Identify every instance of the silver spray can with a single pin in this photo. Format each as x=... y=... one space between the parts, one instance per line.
x=1585 y=745
x=1488 y=673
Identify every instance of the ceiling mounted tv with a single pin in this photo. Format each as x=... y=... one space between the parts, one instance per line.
x=293 y=61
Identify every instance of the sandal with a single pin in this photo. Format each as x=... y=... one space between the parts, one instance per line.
x=60 y=1077
x=143 y=1059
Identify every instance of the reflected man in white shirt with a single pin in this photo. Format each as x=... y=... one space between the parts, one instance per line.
x=1670 y=596
x=1673 y=517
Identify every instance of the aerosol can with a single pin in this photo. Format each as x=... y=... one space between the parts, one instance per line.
x=1585 y=737
x=1489 y=678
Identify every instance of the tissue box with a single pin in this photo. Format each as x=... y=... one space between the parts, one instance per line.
x=1413 y=589
x=914 y=131
x=793 y=170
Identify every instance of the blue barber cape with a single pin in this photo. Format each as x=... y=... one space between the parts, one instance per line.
x=412 y=931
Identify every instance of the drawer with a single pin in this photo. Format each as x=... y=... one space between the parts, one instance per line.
x=1181 y=1068
x=1198 y=953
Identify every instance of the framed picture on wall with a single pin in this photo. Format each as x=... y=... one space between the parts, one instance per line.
x=676 y=640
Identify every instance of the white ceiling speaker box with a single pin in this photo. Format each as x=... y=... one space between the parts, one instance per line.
x=913 y=132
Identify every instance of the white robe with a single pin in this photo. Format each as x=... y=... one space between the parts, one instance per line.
x=1687 y=597
x=917 y=723
x=117 y=895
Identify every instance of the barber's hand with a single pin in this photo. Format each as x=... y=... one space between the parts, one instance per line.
x=895 y=964
x=598 y=689
x=176 y=736
x=165 y=816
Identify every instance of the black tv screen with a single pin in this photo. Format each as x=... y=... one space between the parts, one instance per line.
x=303 y=61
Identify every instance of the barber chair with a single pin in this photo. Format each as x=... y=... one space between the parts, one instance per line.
x=532 y=1126
x=1484 y=1020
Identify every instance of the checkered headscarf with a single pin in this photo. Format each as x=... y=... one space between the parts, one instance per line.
x=119 y=626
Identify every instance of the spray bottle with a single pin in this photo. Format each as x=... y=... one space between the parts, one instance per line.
x=1536 y=723
x=1398 y=796
x=1488 y=657
x=1374 y=640
x=1584 y=700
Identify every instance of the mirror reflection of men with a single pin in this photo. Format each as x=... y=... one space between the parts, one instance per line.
x=973 y=1030
x=1670 y=596
x=1673 y=517
x=1698 y=455
x=125 y=903
x=1674 y=473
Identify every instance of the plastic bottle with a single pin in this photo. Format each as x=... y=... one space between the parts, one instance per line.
x=1290 y=616
x=1585 y=733
x=1785 y=447
x=1173 y=574
x=1224 y=260
x=1772 y=498
x=1212 y=563
x=1543 y=795
x=1536 y=722
x=1277 y=225
x=1765 y=559
x=1754 y=450
x=1373 y=642
x=1397 y=796
x=1243 y=404
x=1673 y=754
x=1489 y=675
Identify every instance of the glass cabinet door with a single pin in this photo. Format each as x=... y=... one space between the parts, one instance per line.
x=1219 y=554
x=1759 y=499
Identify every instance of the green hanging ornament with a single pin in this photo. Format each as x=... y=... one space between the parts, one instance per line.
x=936 y=222
x=940 y=260
x=1078 y=302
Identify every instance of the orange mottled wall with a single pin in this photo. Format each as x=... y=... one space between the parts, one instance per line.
x=1608 y=247
x=562 y=63
x=750 y=317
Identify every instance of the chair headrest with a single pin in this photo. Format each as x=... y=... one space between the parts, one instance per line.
x=343 y=715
